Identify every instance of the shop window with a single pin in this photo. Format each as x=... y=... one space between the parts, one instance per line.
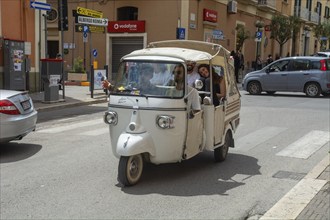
x=127 y=13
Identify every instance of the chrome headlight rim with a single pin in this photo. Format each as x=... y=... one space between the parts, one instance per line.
x=111 y=117
x=165 y=121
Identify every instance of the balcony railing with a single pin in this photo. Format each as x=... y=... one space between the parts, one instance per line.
x=251 y=2
x=301 y=12
x=267 y=3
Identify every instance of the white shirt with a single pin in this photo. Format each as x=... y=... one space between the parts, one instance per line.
x=193 y=99
x=161 y=78
x=192 y=77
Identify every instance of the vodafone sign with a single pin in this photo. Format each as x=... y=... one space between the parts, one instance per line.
x=126 y=26
x=210 y=15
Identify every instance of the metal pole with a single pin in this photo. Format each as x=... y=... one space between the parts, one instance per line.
x=257 y=53
x=61 y=47
x=39 y=51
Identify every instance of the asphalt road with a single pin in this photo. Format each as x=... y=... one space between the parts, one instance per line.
x=66 y=170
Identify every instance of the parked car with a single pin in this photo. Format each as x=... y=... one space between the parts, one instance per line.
x=322 y=54
x=17 y=115
x=308 y=74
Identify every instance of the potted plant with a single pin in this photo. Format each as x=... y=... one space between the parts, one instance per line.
x=77 y=73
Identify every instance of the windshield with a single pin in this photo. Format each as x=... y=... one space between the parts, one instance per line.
x=146 y=78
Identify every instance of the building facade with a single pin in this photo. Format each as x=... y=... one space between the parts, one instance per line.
x=133 y=24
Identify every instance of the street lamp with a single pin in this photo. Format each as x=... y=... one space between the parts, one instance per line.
x=259 y=25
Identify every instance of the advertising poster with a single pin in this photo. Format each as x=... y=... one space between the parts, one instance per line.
x=54 y=80
x=18 y=60
x=99 y=76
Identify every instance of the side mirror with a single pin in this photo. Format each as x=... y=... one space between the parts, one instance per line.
x=198 y=84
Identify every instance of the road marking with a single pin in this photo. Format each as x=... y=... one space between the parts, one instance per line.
x=307 y=145
x=255 y=138
x=96 y=132
x=71 y=126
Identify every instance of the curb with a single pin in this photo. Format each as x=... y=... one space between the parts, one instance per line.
x=62 y=105
x=294 y=202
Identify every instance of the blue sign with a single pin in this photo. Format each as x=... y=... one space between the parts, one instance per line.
x=258 y=34
x=86 y=28
x=40 y=5
x=95 y=53
x=218 y=35
x=180 y=33
x=85 y=34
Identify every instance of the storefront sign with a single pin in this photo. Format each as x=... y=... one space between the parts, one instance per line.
x=210 y=15
x=126 y=26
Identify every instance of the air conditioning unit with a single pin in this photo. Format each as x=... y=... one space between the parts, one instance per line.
x=232 y=7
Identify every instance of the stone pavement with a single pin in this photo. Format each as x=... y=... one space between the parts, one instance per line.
x=309 y=199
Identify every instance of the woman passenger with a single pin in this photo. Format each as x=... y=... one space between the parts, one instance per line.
x=219 y=86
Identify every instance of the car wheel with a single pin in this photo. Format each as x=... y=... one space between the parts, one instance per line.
x=254 y=88
x=130 y=169
x=271 y=92
x=221 y=153
x=312 y=89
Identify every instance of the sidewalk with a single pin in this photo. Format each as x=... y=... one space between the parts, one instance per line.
x=74 y=96
x=309 y=199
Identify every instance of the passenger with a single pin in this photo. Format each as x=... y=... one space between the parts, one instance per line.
x=191 y=73
x=219 y=86
x=193 y=98
x=161 y=76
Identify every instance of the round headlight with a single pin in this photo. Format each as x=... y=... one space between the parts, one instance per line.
x=111 y=118
x=165 y=121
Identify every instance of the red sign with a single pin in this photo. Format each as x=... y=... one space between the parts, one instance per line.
x=210 y=15
x=267 y=27
x=126 y=26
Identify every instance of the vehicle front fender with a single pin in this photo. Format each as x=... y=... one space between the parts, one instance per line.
x=132 y=144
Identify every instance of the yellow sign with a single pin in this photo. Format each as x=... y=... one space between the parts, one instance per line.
x=89 y=12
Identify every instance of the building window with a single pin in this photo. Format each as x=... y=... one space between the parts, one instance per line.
x=127 y=13
x=326 y=12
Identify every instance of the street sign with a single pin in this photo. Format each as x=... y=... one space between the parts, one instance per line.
x=93 y=21
x=40 y=5
x=95 y=53
x=180 y=33
x=91 y=29
x=89 y=12
x=85 y=37
x=258 y=34
x=86 y=29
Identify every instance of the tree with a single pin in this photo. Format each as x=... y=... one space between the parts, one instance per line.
x=241 y=36
x=322 y=30
x=283 y=28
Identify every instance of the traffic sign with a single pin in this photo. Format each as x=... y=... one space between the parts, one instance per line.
x=180 y=33
x=258 y=34
x=95 y=53
x=85 y=37
x=93 y=21
x=40 y=5
x=91 y=29
x=86 y=29
x=89 y=12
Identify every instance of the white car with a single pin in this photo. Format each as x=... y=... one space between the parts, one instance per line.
x=17 y=115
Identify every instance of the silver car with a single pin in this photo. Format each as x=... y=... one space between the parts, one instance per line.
x=17 y=115
x=310 y=75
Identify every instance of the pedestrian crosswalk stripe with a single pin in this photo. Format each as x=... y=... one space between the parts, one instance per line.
x=71 y=126
x=255 y=138
x=307 y=145
x=103 y=130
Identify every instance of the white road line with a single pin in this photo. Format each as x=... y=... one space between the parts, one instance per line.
x=71 y=126
x=255 y=138
x=96 y=132
x=307 y=145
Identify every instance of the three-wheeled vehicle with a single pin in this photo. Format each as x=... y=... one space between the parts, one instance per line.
x=148 y=122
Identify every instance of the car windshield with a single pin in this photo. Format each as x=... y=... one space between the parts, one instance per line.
x=150 y=79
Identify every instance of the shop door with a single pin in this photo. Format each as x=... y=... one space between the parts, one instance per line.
x=122 y=46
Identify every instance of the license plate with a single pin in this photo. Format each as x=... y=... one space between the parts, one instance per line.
x=26 y=105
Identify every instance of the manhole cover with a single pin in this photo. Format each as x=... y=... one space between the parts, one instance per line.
x=289 y=175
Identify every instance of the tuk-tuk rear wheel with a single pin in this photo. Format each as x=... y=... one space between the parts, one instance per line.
x=220 y=153
x=130 y=169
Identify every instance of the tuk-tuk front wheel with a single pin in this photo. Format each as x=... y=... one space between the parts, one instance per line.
x=220 y=153
x=130 y=169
